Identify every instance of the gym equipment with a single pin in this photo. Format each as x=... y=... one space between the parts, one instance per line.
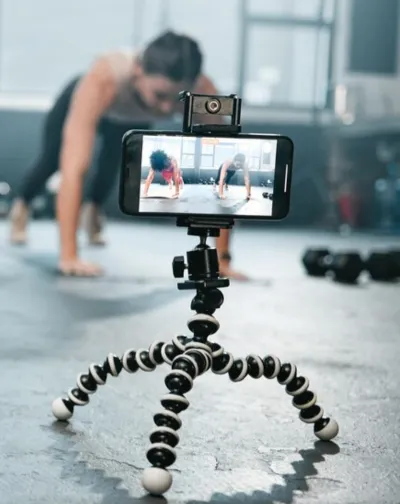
x=190 y=357
x=395 y=253
x=5 y=199
x=267 y=195
x=383 y=266
x=346 y=267
x=387 y=189
x=315 y=262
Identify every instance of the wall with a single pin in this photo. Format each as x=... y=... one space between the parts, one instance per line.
x=377 y=95
x=38 y=53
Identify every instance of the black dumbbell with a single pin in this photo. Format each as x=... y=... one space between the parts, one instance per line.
x=345 y=267
x=267 y=195
x=395 y=253
x=383 y=266
x=5 y=194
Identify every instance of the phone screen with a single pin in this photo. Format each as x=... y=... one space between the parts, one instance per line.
x=175 y=174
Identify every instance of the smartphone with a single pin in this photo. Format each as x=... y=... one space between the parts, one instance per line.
x=174 y=174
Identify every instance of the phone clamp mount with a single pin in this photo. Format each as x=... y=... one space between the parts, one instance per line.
x=190 y=357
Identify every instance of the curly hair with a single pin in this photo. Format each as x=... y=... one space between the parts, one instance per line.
x=159 y=160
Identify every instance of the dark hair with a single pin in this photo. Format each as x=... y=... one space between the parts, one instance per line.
x=159 y=160
x=177 y=57
x=241 y=158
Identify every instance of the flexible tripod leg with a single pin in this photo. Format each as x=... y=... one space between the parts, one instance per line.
x=131 y=361
x=195 y=360
x=305 y=400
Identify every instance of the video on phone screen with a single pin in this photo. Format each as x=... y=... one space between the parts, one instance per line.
x=188 y=175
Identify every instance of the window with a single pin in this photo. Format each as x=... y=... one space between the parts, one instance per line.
x=207 y=148
x=216 y=26
x=187 y=161
x=149 y=145
x=188 y=152
x=268 y=156
x=207 y=161
x=45 y=43
x=293 y=72
x=296 y=9
x=254 y=163
x=223 y=152
x=188 y=145
x=329 y=10
x=171 y=145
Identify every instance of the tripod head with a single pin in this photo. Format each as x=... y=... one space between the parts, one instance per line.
x=202 y=262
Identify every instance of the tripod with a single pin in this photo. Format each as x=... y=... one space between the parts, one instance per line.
x=190 y=357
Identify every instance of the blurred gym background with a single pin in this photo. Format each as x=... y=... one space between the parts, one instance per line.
x=324 y=72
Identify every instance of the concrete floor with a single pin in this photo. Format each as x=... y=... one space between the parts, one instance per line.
x=202 y=199
x=240 y=443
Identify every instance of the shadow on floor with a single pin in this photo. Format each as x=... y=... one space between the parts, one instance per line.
x=108 y=487
x=77 y=303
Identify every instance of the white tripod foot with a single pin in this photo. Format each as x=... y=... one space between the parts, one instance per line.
x=329 y=430
x=156 y=481
x=60 y=410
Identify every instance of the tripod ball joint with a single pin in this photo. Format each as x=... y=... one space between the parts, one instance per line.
x=207 y=303
x=346 y=267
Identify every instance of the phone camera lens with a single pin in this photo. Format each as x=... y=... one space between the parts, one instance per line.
x=213 y=106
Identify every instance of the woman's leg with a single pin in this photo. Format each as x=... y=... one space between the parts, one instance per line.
x=218 y=175
x=46 y=165
x=225 y=259
x=228 y=177
x=218 y=178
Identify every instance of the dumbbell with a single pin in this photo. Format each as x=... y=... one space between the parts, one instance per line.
x=267 y=195
x=345 y=267
x=5 y=193
x=384 y=266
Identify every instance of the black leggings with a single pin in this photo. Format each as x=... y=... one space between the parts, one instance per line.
x=107 y=166
x=228 y=175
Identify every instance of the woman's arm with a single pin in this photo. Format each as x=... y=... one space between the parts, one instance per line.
x=246 y=176
x=222 y=177
x=176 y=176
x=149 y=180
x=93 y=95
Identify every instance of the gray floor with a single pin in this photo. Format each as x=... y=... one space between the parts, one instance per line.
x=201 y=199
x=240 y=443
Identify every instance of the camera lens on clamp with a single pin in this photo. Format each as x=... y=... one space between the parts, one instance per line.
x=213 y=106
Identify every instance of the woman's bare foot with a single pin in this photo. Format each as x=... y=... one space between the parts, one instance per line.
x=78 y=268
x=226 y=271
